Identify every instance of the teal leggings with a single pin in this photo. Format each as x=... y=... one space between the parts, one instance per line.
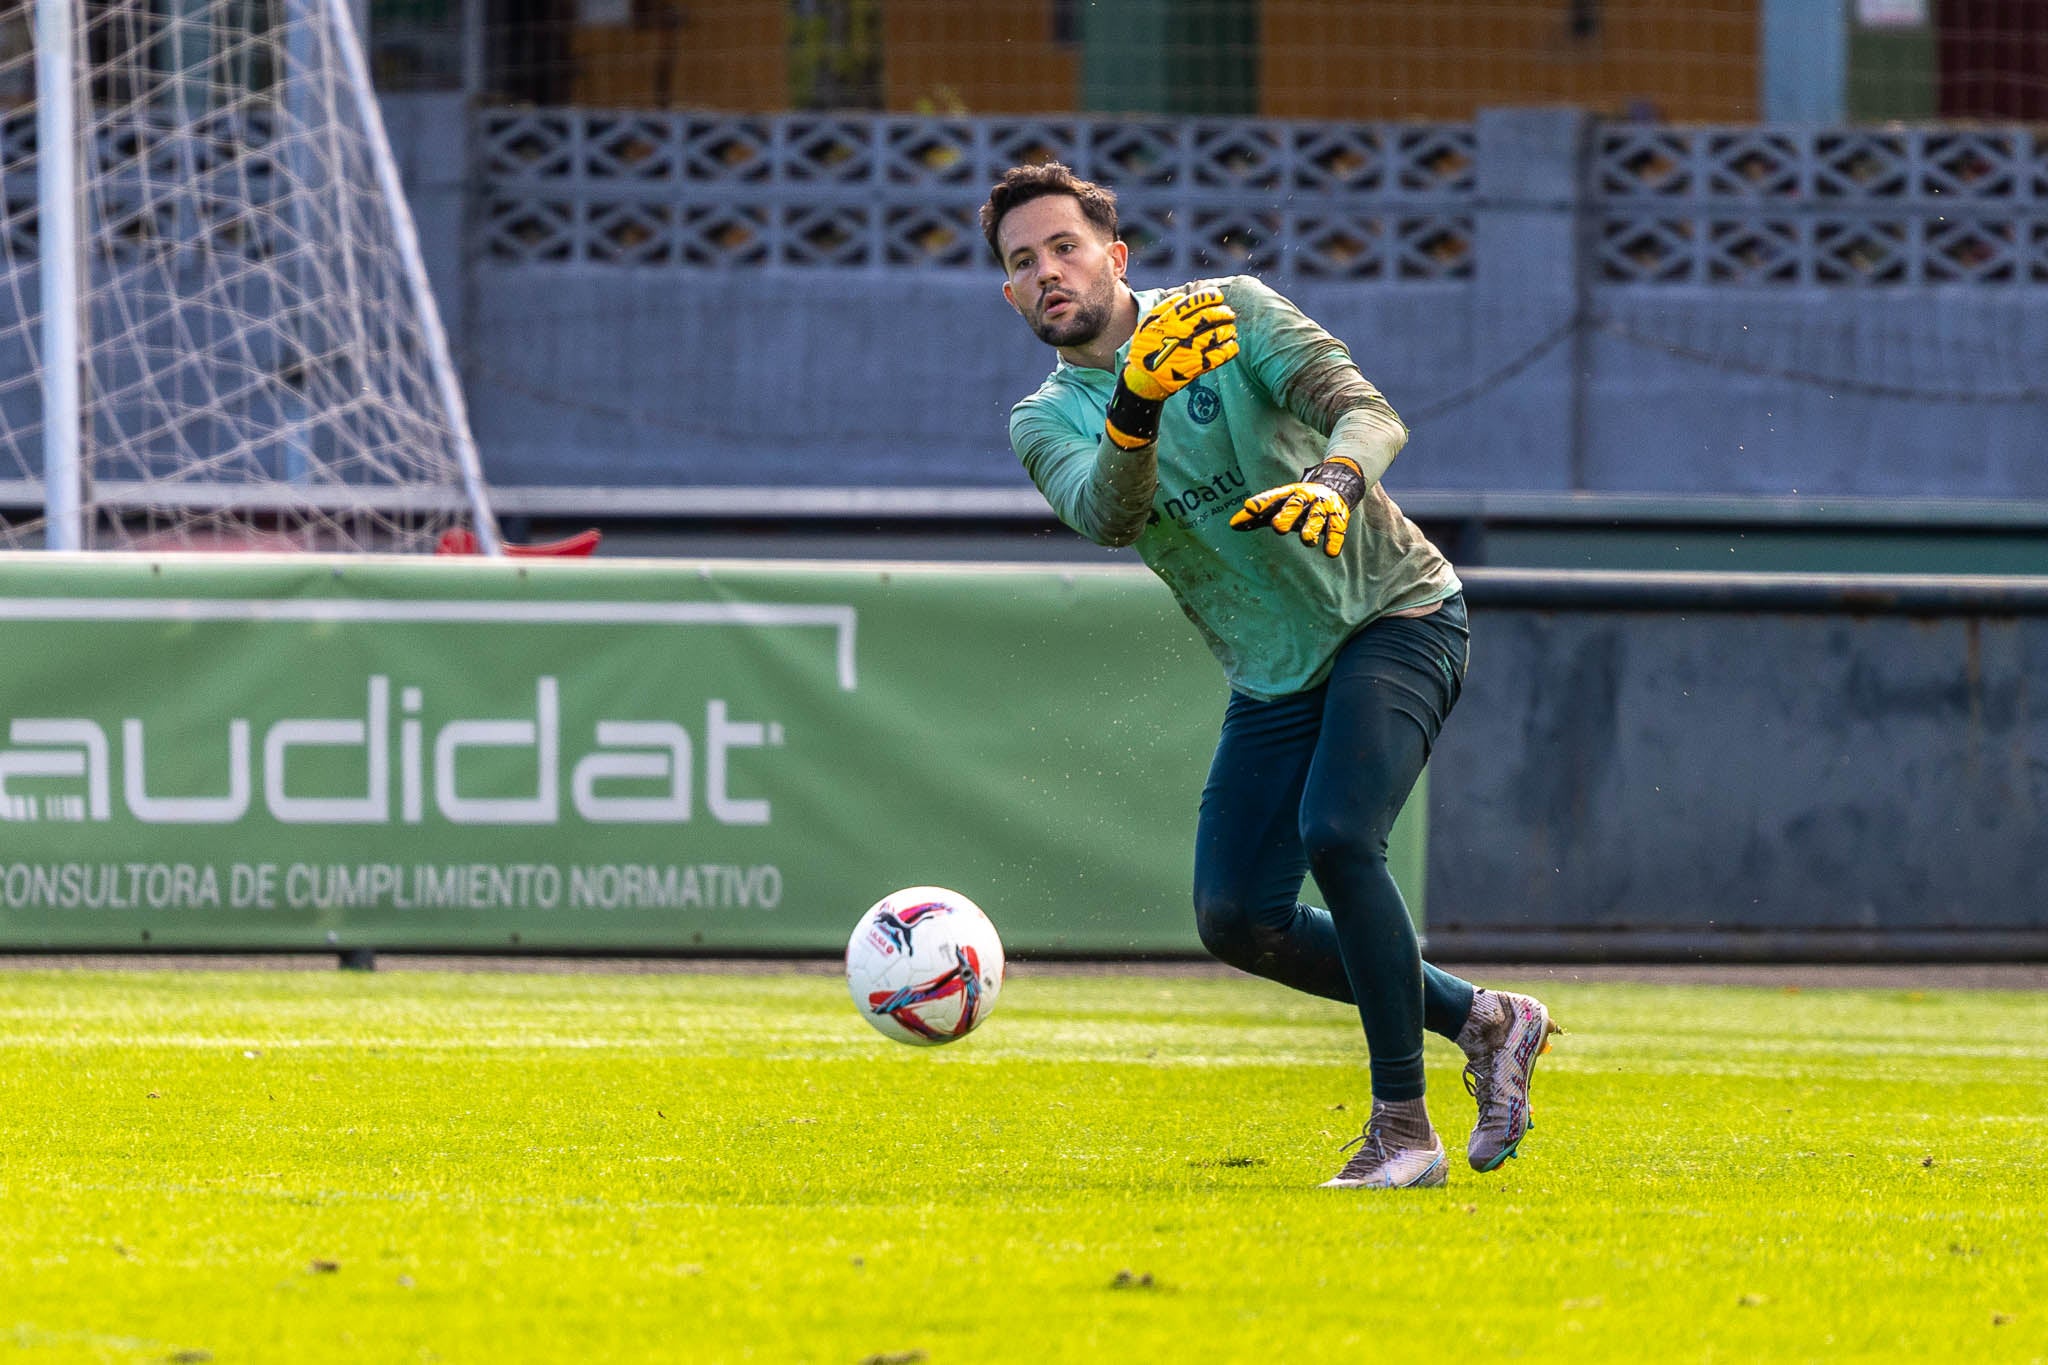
x=1312 y=782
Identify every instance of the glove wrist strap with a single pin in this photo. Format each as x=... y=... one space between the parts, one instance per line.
x=1133 y=421
x=1341 y=477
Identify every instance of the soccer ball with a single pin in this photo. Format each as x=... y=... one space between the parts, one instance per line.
x=924 y=965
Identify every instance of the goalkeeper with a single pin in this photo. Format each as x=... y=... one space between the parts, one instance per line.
x=1187 y=422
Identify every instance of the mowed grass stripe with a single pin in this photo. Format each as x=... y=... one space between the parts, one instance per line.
x=291 y=1166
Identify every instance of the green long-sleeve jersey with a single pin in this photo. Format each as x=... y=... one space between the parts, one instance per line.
x=1272 y=609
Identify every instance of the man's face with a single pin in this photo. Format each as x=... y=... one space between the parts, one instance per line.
x=1063 y=276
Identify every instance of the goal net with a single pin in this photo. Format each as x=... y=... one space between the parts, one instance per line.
x=203 y=238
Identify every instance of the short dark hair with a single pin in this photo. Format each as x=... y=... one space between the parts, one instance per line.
x=1022 y=184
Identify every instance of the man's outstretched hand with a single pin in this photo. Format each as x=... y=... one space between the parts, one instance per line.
x=1178 y=342
x=1320 y=504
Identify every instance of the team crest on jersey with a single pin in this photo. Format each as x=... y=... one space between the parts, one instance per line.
x=1203 y=403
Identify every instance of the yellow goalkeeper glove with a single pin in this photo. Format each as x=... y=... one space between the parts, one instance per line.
x=1176 y=343
x=1321 y=504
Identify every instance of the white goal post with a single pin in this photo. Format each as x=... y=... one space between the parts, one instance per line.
x=216 y=330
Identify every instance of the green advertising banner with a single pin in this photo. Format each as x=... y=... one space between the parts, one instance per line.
x=298 y=753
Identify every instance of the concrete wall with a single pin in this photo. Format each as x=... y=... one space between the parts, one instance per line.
x=1600 y=335
x=620 y=377
x=1715 y=785
x=837 y=378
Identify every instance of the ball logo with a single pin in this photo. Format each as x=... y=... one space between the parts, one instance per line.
x=894 y=926
x=1204 y=403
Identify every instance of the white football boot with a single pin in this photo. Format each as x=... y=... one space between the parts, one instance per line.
x=1502 y=1039
x=1398 y=1150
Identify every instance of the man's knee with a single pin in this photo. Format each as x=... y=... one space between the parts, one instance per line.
x=1226 y=926
x=1234 y=930
x=1335 y=847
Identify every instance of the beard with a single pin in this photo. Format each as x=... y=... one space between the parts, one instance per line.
x=1085 y=320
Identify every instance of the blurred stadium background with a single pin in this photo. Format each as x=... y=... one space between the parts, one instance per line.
x=1761 y=252
x=1710 y=321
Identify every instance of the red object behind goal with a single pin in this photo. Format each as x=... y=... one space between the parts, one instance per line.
x=460 y=540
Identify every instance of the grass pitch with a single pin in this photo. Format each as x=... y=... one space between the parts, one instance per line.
x=273 y=1166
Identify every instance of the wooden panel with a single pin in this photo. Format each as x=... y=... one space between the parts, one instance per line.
x=1446 y=59
x=992 y=57
x=732 y=55
x=1321 y=59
